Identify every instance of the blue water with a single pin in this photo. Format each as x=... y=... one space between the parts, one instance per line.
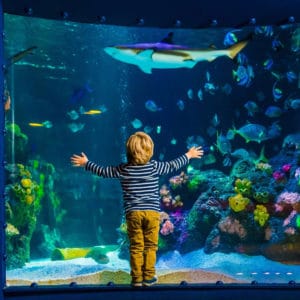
x=69 y=73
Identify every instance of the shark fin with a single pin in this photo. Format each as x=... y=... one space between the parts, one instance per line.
x=168 y=39
x=146 y=68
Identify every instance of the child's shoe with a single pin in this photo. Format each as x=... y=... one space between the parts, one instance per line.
x=150 y=282
x=136 y=284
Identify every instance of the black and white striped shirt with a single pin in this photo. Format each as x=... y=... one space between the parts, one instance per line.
x=140 y=183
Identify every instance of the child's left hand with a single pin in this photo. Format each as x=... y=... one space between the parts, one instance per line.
x=79 y=160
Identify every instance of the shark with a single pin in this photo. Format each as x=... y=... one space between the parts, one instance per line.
x=166 y=55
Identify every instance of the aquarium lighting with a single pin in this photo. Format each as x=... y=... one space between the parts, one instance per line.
x=254 y=273
x=289 y=273
x=267 y=273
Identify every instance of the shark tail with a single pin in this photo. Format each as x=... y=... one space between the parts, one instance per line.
x=236 y=48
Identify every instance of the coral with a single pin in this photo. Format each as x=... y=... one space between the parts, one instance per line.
x=178 y=180
x=279 y=176
x=11 y=230
x=261 y=215
x=265 y=167
x=262 y=196
x=243 y=186
x=238 y=203
x=232 y=226
x=167 y=228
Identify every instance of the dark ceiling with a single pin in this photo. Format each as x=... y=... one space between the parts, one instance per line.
x=161 y=13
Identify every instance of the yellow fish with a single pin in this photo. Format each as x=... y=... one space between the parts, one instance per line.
x=46 y=124
x=36 y=124
x=93 y=112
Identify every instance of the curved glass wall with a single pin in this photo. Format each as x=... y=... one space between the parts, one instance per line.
x=232 y=216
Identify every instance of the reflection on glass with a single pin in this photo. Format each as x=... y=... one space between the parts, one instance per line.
x=233 y=216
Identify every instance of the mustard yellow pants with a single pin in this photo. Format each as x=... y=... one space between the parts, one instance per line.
x=143 y=229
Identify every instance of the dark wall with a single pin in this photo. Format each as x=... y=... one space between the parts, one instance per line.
x=158 y=13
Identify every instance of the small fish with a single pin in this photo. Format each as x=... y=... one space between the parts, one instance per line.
x=136 y=123
x=215 y=121
x=243 y=75
x=190 y=94
x=230 y=38
x=291 y=76
x=251 y=107
x=46 y=124
x=158 y=129
x=277 y=93
x=148 y=129
x=273 y=111
x=173 y=141
x=152 y=106
x=180 y=104
x=292 y=103
x=200 y=94
x=268 y=64
x=93 y=112
x=75 y=127
x=73 y=114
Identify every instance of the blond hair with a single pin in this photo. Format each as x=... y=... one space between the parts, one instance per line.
x=139 y=148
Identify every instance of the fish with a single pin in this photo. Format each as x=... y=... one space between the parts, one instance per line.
x=152 y=106
x=46 y=124
x=223 y=144
x=243 y=75
x=200 y=94
x=273 y=111
x=230 y=38
x=136 y=123
x=251 y=107
x=20 y=55
x=73 y=114
x=180 y=104
x=93 y=112
x=295 y=40
x=251 y=132
x=292 y=103
x=277 y=92
x=75 y=127
x=190 y=94
x=215 y=121
x=166 y=55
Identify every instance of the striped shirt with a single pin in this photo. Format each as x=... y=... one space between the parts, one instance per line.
x=140 y=183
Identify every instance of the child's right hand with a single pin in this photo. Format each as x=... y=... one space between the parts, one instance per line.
x=195 y=152
x=79 y=160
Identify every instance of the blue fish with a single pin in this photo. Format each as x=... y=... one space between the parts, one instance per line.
x=291 y=76
x=277 y=93
x=273 y=111
x=251 y=107
x=230 y=38
x=136 y=123
x=180 y=104
x=152 y=106
x=243 y=75
x=268 y=64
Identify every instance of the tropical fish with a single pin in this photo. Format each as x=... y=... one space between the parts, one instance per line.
x=173 y=141
x=46 y=124
x=73 y=114
x=215 y=121
x=274 y=130
x=251 y=107
x=180 y=104
x=223 y=144
x=273 y=111
x=93 y=112
x=152 y=106
x=250 y=132
x=200 y=94
x=166 y=55
x=292 y=103
x=243 y=75
x=136 y=123
x=75 y=127
x=277 y=92
x=268 y=64
x=148 y=129
x=158 y=129
x=190 y=94
x=295 y=40
x=230 y=38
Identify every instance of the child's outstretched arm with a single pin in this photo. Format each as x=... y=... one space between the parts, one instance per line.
x=79 y=160
x=195 y=152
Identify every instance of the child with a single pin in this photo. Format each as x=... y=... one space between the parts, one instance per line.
x=139 y=179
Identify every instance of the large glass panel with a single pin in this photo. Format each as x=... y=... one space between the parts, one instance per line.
x=232 y=216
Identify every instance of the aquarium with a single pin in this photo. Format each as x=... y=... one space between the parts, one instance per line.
x=232 y=216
